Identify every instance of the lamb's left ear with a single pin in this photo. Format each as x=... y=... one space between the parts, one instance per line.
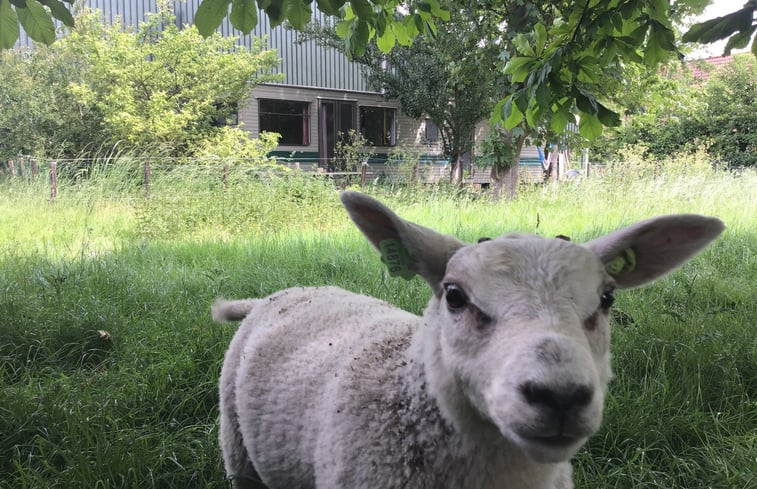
x=649 y=249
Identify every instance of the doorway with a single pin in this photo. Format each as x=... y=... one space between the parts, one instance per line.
x=335 y=118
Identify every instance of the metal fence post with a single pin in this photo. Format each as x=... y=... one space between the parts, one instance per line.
x=53 y=181
x=147 y=178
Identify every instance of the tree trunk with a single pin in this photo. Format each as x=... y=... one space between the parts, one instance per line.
x=456 y=171
x=507 y=175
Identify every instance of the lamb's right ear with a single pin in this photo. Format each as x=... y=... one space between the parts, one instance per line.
x=405 y=248
x=649 y=249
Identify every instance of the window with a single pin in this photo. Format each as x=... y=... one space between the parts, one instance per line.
x=289 y=118
x=227 y=114
x=377 y=125
x=432 y=131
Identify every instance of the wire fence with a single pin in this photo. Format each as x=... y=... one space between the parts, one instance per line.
x=144 y=169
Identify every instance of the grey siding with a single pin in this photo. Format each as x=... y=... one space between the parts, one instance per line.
x=303 y=64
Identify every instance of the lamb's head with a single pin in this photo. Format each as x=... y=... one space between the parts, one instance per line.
x=516 y=333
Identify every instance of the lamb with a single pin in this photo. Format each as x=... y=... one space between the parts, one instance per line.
x=497 y=385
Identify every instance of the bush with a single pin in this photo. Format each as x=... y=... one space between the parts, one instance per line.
x=680 y=114
x=161 y=87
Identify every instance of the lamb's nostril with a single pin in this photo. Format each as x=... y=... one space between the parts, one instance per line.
x=562 y=397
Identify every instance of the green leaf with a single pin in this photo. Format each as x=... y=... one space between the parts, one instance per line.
x=276 y=11
x=438 y=11
x=210 y=14
x=431 y=27
x=740 y=40
x=496 y=116
x=522 y=45
x=533 y=115
x=418 y=20
x=636 y=38
x=585 y=102
x=542 y=94
x=630 y=10
x=519 y=68
x=330 y=7
x=655 y=51
x=658 y=10
x=589 y=126
x=37 y=22
x=608 y=117
x=588 y=70
x=720 y=27
x=244 y=15
x=298 y=14
x=400 y=32
x=60 y=11
x=560 y=118
x=540 y=38
x=514 y=115
x=358 y=41
x=628 y=51
x=343 y=27
x=385 y=42
x=362 y=8
x=8 y=25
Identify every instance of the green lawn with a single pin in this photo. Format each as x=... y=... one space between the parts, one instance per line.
x=109 y=359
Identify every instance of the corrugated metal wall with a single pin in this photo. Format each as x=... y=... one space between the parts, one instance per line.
x=303 y=64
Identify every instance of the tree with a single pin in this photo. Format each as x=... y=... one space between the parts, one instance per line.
x=448 y=78
x=730 y=119
x=39 y=113
x=160 y=87
x=677 y=113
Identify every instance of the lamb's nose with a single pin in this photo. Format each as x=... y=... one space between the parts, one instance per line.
x=561 y=398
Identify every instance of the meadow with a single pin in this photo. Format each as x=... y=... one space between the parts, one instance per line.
x=109 y=359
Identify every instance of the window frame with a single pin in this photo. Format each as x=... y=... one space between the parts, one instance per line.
x=393 y=124
x=303 y=117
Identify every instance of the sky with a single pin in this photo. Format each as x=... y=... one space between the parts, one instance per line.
x=718 y=8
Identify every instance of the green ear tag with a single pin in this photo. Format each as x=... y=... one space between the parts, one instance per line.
x=396 y=258
x=622 y=264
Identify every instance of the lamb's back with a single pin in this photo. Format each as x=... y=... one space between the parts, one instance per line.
x=300 y=342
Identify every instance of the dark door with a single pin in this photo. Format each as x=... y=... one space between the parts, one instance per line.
x=335 y=119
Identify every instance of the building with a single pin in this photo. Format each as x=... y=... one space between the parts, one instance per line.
x=322 y=95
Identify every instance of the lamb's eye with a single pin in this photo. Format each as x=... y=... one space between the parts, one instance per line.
x=606 y=300
x=456 y=298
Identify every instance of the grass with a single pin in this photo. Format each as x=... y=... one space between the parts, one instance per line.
x=109 y=360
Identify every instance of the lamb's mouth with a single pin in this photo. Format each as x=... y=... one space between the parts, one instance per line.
x=549 y=445
x=555 y=441
x=550 y=449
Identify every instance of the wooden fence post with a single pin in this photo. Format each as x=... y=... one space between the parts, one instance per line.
x=147 y=178
x=35 y=168
x=53 y=181
x=12 y=168
x=363 y=173
x=21 y=169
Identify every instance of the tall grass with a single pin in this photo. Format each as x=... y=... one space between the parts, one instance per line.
x=109 y=360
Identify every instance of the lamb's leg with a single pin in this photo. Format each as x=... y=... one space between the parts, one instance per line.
x=237 y=462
